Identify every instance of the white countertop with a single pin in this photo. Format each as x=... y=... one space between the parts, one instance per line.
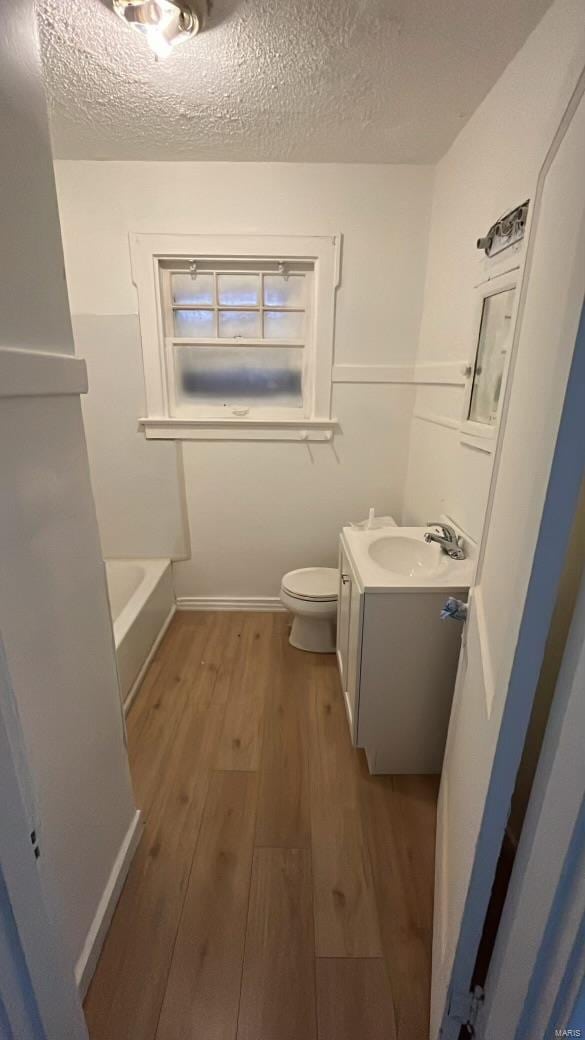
x=444 y=572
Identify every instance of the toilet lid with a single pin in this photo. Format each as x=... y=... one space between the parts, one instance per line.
x=318 y=583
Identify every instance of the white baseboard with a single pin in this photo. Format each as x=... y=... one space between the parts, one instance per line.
x=265 y=604
x=138 y=680
x=88 y=958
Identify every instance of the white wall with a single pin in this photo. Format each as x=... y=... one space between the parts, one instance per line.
x=491 y=167
x=54 y=614
x=137 y=484
x=255 y=510
x=31 y=258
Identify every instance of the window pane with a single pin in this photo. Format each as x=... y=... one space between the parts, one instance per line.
x=186 y=289
x=283 y=324
x=494 y=342
x=284 y=292
x=238 y=290
x=194 y=324
x=243 y=324
x=233 y=376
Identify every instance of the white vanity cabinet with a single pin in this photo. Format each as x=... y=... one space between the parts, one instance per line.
x=397 y=663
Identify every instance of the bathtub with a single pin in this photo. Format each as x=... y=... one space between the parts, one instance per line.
x=142 y=603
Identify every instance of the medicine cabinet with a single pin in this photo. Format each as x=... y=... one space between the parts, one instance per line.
x=495 y=317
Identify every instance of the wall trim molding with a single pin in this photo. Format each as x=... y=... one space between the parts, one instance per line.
x=484 y=444
x=449 y=373
x=438 y=420
x=88 y=958
x=434 y=373
x=264 y=604
x=33 y=373
x=372 y=374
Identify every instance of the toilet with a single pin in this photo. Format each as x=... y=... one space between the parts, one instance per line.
x=310 y=594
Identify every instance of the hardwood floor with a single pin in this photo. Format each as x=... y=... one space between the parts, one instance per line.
x=279 y=891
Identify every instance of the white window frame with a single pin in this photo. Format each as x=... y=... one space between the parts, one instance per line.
x=476 y=434
x=322 y=251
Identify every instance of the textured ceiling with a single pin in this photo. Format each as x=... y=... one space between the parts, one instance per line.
x=279 y=80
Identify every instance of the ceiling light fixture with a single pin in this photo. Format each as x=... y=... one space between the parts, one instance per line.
x=163 y=23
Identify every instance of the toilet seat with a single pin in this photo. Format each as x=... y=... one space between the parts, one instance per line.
x=316 y=584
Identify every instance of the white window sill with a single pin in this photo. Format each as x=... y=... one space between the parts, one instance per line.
x=166 y=429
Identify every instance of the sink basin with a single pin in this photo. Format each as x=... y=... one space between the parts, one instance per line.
x=410 y=557
x=391 y=559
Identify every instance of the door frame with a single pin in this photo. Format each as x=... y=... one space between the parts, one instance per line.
x=538 y=962
x=38 y=988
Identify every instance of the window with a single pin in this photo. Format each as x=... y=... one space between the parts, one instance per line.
x=237 y=336
x=237 y=339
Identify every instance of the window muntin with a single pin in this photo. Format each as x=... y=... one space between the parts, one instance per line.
x=237 y=336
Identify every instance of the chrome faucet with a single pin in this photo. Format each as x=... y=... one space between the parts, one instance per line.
x=448 y=540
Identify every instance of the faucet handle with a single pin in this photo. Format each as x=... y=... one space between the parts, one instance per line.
x=449 y=532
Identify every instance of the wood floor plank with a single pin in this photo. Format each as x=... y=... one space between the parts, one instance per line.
x=278 y=983
x=169 y=656
x=283 y=803
x=399 y=824
x=241 y=740
x=159 y=706
x=354 y=1001
x=203 y=988
x=126 y=995
x=346 y=917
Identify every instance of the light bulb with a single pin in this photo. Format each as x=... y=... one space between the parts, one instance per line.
x=162 y=23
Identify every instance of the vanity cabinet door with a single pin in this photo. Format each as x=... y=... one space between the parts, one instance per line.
x=349 y=640
x=343 y=604
x=354 y=659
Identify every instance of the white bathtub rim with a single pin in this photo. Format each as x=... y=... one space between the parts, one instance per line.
x=153 y=572
x=129 y=700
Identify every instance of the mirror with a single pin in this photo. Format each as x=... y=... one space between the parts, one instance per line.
x=492 y=350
